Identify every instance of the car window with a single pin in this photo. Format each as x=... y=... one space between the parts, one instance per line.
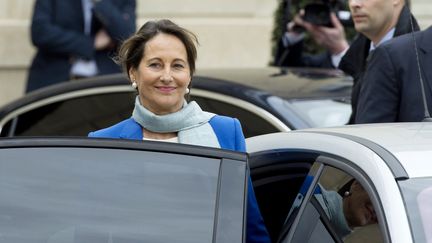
x=336 y=208
x=277 y=177
x=72 y=117
x=79 y=116
x=417 y=194
x=252 y=124
x=76 y=195
x=323 y=112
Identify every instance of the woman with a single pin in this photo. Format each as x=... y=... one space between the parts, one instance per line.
x=160 y=61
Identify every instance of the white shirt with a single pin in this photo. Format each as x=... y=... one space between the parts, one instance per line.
x=171 y=140
x=387 y=37
x=80 y=67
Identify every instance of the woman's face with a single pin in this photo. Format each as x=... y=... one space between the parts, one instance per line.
x=162 y=75
x=358 y=207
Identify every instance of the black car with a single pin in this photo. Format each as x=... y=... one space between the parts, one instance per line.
x=264 y=100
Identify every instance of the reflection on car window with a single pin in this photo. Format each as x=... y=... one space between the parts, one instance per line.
x=338 y=210
x=417 y=194
x=323 y=113
x=74 y=117
x=79 y=116
x=75 y=195
x=348 y=207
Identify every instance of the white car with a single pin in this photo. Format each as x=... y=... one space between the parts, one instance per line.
x=101 y=190
x=390 y=161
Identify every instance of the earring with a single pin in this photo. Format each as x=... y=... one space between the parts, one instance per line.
x=347 y=193
x=134 y=84
x=187 y=90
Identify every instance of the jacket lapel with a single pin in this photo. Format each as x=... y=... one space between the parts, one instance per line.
x=131 y=130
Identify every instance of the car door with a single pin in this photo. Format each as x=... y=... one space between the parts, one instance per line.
x=102 y=190
x=303 y=183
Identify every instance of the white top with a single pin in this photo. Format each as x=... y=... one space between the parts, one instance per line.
x=171 y=140
x=387 y=37
x=80 y=67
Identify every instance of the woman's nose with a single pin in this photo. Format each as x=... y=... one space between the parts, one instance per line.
x=166 y=76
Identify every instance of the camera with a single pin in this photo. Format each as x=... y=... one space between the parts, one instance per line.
x=319 y=14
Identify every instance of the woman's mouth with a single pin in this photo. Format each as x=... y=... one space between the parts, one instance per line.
x=165 y=89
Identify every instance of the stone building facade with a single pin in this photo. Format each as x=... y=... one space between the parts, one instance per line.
x=231 y=33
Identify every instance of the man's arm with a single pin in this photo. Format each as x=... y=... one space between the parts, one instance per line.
x=51 y=37
x=331 y=38
x=119 y=20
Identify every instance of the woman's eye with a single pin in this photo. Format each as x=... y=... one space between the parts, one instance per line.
x=155 y=65
x=178 y=65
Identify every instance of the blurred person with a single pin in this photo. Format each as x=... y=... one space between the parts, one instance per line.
x=353 y=209
x=77 y=38
x=392 y=86
x=159 y=59
x=377 y=21
x=290 y=47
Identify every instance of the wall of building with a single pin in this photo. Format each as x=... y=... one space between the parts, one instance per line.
x=231 y=33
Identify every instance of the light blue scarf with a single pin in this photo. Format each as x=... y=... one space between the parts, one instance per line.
x=190 y=122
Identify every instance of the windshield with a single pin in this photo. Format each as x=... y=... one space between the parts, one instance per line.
x=323 y=113
x=313 y=112
x=417 y=195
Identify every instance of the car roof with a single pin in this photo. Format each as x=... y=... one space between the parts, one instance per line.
x=288 y=83
x=409 y=143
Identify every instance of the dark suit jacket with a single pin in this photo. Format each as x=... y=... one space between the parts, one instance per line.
x=391 y=90
x=57 y=31
x=355 y=60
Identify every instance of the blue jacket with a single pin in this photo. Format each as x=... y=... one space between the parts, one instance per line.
x=230 y=136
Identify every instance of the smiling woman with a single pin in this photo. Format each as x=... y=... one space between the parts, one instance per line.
x=163 y=74
x=160 y=60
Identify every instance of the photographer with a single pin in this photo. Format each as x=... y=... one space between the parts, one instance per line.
x=325 y=29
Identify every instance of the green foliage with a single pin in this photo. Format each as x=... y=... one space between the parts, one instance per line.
x=278 y=28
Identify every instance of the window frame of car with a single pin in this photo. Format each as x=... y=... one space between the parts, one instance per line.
x=228 y=221
x=320 y=159
x=347 y=167
x=13 y=115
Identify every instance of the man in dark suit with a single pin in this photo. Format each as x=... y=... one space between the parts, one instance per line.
x=377 y=21
x=77 y=38
x=392 y=90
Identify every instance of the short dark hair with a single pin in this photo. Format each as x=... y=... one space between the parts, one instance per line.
x=132 y=50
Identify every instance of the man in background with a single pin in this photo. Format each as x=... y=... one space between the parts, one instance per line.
x=77 y=38
x=377 y=21
x=392 y=90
